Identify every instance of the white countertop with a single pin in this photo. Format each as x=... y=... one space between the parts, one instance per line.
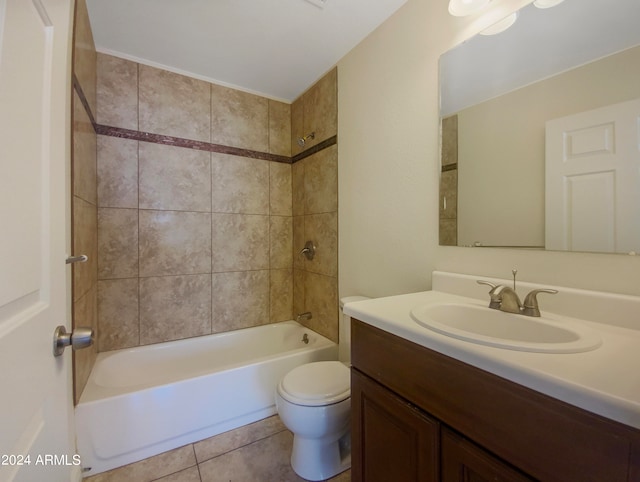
x=605 y=381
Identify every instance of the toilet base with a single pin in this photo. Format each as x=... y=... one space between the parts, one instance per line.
x=315 y=460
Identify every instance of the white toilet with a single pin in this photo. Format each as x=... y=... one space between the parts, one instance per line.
x=314 y=402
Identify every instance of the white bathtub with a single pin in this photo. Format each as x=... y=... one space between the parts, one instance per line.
x=143 y=401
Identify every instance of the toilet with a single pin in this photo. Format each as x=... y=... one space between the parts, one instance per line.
x=314 y=402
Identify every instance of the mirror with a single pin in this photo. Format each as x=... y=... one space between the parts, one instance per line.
x=539 y=131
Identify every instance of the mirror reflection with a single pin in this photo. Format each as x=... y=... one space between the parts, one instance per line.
x=540 y=131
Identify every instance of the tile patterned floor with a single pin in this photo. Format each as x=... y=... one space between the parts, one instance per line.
x=258 y=452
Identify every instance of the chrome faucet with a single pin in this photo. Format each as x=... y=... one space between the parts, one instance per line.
x=304 y=316
x=506 y=299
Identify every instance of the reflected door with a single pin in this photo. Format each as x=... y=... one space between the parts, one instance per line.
x=593 y=180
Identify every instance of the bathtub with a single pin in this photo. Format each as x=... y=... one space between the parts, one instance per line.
x=146 y=400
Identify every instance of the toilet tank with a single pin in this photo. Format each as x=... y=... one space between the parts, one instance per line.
x=344 y=341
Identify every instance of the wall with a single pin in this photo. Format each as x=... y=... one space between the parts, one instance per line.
x=195 y=218
x=315 y=206
x=83 y=203
x=388 y=172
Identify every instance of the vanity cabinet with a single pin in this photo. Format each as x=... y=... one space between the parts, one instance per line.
x=418 y=415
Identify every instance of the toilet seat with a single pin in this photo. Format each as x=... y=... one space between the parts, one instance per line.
x=316 y=384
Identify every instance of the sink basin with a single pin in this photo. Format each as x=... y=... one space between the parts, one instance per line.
x=479 y=324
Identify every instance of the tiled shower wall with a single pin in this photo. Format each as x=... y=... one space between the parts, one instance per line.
x=83 y=202
x=315 y=206
x=191 y=242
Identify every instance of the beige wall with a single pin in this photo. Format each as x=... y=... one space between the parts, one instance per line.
x=84 y=204
x=193 y=242
x=388 y=171
x=491 y=161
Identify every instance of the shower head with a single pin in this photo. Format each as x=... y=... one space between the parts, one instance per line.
x=303 y=140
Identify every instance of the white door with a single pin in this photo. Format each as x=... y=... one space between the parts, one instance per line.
x=593 y=180
x=36 y=436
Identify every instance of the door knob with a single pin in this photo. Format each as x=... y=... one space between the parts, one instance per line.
x=81 y=337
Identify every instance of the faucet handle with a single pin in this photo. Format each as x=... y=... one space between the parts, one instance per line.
x=488 y=283
x=530 y=305
x=496 y=300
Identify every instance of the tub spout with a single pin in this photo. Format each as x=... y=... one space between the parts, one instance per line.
x=304 y=316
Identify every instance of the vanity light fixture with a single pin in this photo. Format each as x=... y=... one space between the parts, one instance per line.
x=501 y=26
x=547 y=3
x=462 y=8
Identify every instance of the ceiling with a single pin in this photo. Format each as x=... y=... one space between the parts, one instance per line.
x=275 y=48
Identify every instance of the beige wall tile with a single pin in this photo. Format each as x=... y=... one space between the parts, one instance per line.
x=85 y=241
x=321 y=108
x=152 y=468
x=321 y=299
x=117 y=92
x=449 y=189
x=297 y=189
x=173 y=242
x=448 y=232
x=84 y=62
x=174 y=178
x=299 y=277
x=322 y=229
x=85 y=313
x=239 y=119
x=279 y=128
x=118 y=314
x=228 y=441
x=280 y=189
x=174 y=307
x=281 y=295
x=267 y=459
x=297 y=125
x=84 y=153
x=117 y=172
x=240 y=242
x=299 y=240
x=281 y=242
x=239 y=184
x=450 y=140
x=321 y=181
x=240 y=300
x=173 y=104
x=117 y=243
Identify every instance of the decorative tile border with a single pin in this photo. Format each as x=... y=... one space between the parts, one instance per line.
x=188 y=143
x=192 y=144
x=83 y=99
x=317 y=148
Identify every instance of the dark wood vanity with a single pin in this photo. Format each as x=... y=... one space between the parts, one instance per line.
x=418 y=415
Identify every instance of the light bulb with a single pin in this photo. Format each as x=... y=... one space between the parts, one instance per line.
x=462 y=8
x=547 y=3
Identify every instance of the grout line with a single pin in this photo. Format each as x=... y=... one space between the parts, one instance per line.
x=272 y=434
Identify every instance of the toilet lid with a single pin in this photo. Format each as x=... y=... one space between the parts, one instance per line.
x=318 y=383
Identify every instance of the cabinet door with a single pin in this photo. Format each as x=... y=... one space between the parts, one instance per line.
x=391 y=439
x=463 y=461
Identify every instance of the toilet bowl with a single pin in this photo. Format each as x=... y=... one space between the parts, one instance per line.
x=314 y=402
